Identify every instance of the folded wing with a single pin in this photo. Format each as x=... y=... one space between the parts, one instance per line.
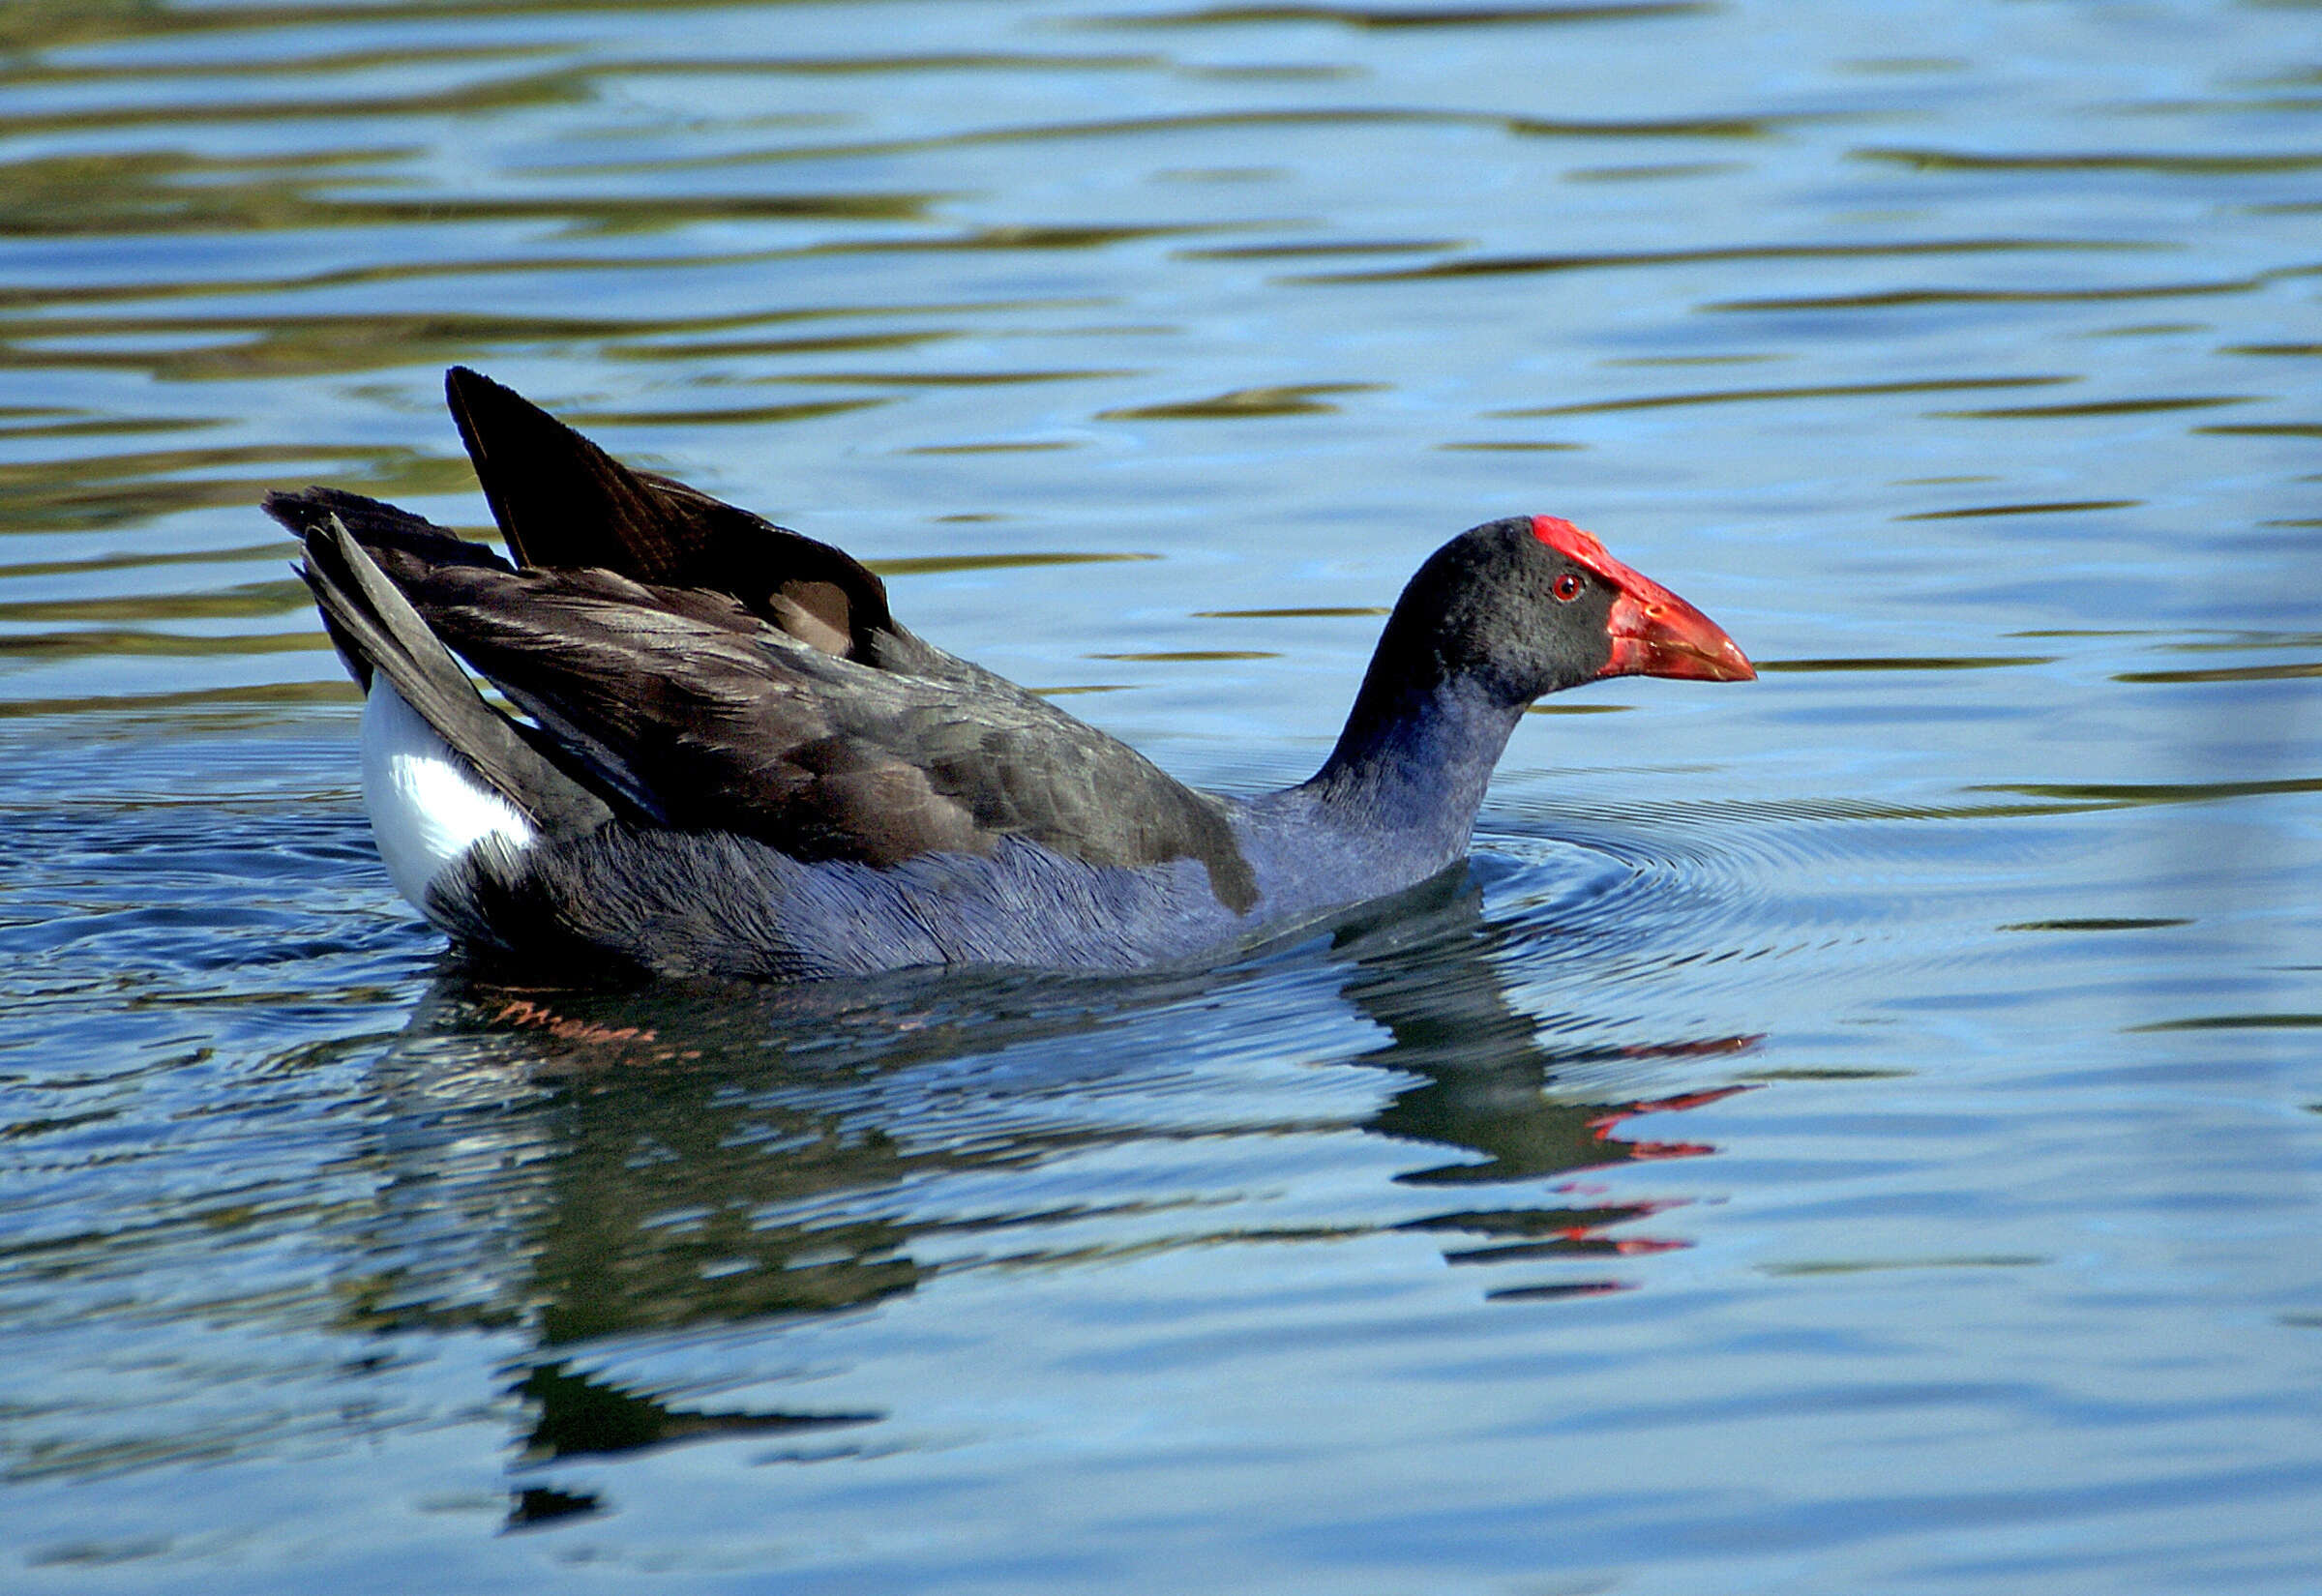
x=686 y=663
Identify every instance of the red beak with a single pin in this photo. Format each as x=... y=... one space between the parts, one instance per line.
x=1654 y=632
x=1658 y=634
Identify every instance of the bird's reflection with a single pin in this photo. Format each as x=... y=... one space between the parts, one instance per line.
x=590 y=1164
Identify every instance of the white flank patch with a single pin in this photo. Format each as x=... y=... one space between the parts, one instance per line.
x=426 y=809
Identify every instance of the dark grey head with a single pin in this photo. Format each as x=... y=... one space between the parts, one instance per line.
x=1528 y=605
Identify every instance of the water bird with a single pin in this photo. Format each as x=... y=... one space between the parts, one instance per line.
x=730 y=759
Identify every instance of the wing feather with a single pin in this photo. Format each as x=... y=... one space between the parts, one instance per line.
x=723 y=722
x=701 y=667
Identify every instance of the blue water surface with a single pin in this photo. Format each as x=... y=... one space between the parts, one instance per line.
x=1856 y=1132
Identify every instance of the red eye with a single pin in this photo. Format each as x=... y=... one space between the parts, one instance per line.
x=1566 y=588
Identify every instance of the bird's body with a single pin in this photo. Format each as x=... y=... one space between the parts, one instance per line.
x=733 y=761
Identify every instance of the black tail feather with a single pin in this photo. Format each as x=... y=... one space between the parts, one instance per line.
x=562 y=502
x=377 y=525
x=559 y=499
x=378 y=632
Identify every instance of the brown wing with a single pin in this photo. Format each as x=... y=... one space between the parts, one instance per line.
x=708 y=717
x=698 y=666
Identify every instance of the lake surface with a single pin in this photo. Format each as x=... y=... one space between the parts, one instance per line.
x=1855 y=1132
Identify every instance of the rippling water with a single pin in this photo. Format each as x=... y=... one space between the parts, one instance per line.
x=1858 y=1132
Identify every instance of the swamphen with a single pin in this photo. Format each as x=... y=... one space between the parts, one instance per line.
x=732 y=760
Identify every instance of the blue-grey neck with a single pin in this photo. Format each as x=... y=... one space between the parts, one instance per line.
x=1410 y=768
